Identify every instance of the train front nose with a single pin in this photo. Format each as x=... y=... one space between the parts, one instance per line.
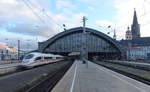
x=23 y=64
x=25 y=61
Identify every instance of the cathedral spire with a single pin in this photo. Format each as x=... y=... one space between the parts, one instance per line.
x=135 y=27
x=135 y=21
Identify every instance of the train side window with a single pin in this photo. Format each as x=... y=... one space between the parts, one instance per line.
x=45 y=57
x=57 y=57
x=38 y=58
x=49 y=57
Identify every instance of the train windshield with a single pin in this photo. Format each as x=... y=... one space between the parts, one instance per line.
x=29 y=56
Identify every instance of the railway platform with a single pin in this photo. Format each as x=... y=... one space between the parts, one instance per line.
x=91 y=77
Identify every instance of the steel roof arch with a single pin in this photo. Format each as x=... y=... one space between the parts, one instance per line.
x=45 y=44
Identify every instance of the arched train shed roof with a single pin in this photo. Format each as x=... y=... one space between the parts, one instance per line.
x=45 y=44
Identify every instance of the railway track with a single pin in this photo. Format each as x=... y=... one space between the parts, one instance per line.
x=137 y=65
x=15 y=69
x=9 y=69
x=48 y=83
x=122 y=69
x=27 y=80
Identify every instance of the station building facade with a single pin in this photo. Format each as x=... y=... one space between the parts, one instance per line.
x=136 y=49
x=94 y=44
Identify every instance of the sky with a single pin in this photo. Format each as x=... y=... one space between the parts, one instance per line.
x=32 y=21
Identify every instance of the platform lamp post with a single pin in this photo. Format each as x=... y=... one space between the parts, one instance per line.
x=110 y=30
x=84 y=54
x=18 y=50
x=64 y=26
x=6 y=51
x=114 y=31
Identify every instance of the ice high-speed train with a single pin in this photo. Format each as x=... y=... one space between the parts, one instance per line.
x=35 y=58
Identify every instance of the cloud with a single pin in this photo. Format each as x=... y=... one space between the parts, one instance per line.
x=11 y=40
x=91 y=8
x=27 y=29
x=17 y=18
x=18 y=8
x=88 y=1
x=23 y=21
x=65 y=5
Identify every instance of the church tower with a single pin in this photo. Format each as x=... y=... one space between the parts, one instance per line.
x=135 y=27
x=128 y=34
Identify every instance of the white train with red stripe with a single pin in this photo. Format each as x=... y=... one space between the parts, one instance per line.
x=35 y=58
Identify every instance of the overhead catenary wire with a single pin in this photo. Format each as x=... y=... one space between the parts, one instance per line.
x=51 y=18
x=45 y=13
x=33 y=11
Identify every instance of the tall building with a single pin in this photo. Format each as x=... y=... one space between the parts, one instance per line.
x=128 y=34
x=135 y=27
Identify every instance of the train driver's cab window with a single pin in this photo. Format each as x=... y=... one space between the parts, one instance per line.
x=38 y=58
x=28 y=56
